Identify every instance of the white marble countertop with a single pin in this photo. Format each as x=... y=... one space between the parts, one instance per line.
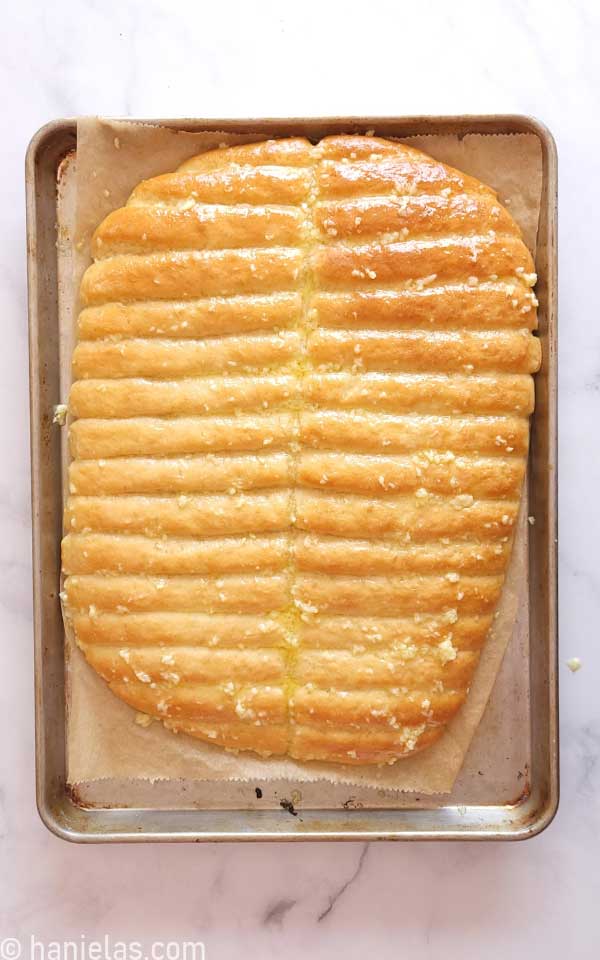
x=272 y=58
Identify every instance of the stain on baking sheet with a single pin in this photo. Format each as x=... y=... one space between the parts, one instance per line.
x=352 y=803
x=74 y=794
x=289 y=806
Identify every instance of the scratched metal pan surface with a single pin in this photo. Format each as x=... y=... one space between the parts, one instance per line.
x=508 y=787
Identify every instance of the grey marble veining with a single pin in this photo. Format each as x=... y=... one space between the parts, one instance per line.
x=268 y=58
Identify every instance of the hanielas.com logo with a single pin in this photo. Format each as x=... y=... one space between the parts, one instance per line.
x=80 y=948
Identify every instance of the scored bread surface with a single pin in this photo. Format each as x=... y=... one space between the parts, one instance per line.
x=300 y=408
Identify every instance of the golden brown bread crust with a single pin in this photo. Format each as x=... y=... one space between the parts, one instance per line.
x=300 y=424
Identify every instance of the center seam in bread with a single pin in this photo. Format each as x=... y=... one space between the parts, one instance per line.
x=297 y=608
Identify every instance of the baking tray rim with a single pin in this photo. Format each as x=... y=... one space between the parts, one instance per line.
x=537 y=811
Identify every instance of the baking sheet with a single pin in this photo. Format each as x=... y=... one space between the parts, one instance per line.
x=103 y=739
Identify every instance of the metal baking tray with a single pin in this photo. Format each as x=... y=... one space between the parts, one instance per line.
x=507 y=793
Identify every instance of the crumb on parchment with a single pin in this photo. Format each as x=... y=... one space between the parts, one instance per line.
x=574 y=664
x=143 y=719
x=59 y=415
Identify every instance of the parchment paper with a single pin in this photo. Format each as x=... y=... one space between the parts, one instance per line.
x=103 y=739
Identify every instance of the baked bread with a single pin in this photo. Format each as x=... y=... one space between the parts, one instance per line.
x=299 y=430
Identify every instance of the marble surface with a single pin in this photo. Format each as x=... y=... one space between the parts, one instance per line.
x=272 y=58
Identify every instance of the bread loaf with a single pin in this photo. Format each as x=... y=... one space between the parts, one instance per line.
x=299 y=429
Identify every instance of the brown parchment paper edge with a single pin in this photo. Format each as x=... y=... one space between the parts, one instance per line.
x=103 y=741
